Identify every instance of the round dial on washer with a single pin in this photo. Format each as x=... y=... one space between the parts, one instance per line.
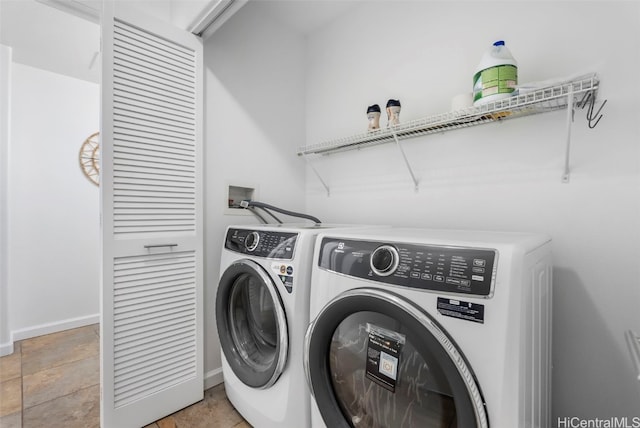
x=384 y=260
x=251 y=241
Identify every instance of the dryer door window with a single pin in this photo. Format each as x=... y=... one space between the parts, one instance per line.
x=251 y=324
x=375 y=360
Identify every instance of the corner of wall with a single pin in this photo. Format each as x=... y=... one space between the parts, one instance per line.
x=6 y=343
x=213 y=378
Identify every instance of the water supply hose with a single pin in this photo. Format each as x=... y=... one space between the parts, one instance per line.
x=249 y=203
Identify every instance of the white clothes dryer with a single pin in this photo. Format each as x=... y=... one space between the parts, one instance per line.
x=430 y=328
x=262 y=312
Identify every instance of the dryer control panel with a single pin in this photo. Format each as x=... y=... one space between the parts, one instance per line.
x=261 y=243
x=448 y=269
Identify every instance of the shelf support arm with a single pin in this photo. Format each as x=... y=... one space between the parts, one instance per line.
x=313 y=168
x=406 y=161
x=570 y=113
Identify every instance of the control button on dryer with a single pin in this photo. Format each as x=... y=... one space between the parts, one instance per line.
x=251 y=241
x=384 y=260
x=458 y=281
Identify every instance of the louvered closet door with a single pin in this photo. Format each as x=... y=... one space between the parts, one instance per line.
x=151 y=326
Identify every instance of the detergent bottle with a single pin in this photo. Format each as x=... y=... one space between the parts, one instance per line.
x=496 y=76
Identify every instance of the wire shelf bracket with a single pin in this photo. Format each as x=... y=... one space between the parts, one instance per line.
x=313 y=168
x=567 y=154
x=406 y=161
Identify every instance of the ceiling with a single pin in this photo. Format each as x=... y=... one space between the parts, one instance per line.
x=306 y=16
x=69 y=43
x=44 y=37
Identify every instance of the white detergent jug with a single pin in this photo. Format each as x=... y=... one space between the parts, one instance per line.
x=496 y=76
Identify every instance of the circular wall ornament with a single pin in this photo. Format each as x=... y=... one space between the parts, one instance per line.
x=90 y=158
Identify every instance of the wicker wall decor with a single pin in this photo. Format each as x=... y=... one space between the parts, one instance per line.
x=90 y=158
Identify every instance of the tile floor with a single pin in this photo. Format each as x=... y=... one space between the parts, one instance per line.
x=56 y=378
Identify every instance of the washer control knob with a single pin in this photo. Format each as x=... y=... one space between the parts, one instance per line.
x=251 y=241
x=384 y=260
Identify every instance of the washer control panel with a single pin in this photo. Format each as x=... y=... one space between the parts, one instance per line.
x=260 y=243
x=440 y=268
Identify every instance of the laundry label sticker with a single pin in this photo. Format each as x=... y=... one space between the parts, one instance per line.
x=388 y=365
x=463 y=310
x=285 y=273
x=383 y=356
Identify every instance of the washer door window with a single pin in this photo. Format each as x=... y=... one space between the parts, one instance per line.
x=251 y=324
x=373 y=359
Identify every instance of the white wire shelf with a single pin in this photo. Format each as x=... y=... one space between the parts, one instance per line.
x=525 y=104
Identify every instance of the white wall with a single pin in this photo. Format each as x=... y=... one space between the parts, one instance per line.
x=6 y=345
x=254 y=120
x=54 y=218
x=503 y=176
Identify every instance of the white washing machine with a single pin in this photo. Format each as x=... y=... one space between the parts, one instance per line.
x=430 y=328
x=262 y=312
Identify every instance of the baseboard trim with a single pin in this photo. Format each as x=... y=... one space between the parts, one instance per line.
x=213 y=378
x=54 y=327
x=6 y=349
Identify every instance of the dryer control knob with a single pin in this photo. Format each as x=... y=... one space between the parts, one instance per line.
x=384 y=260
x=251 y=241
